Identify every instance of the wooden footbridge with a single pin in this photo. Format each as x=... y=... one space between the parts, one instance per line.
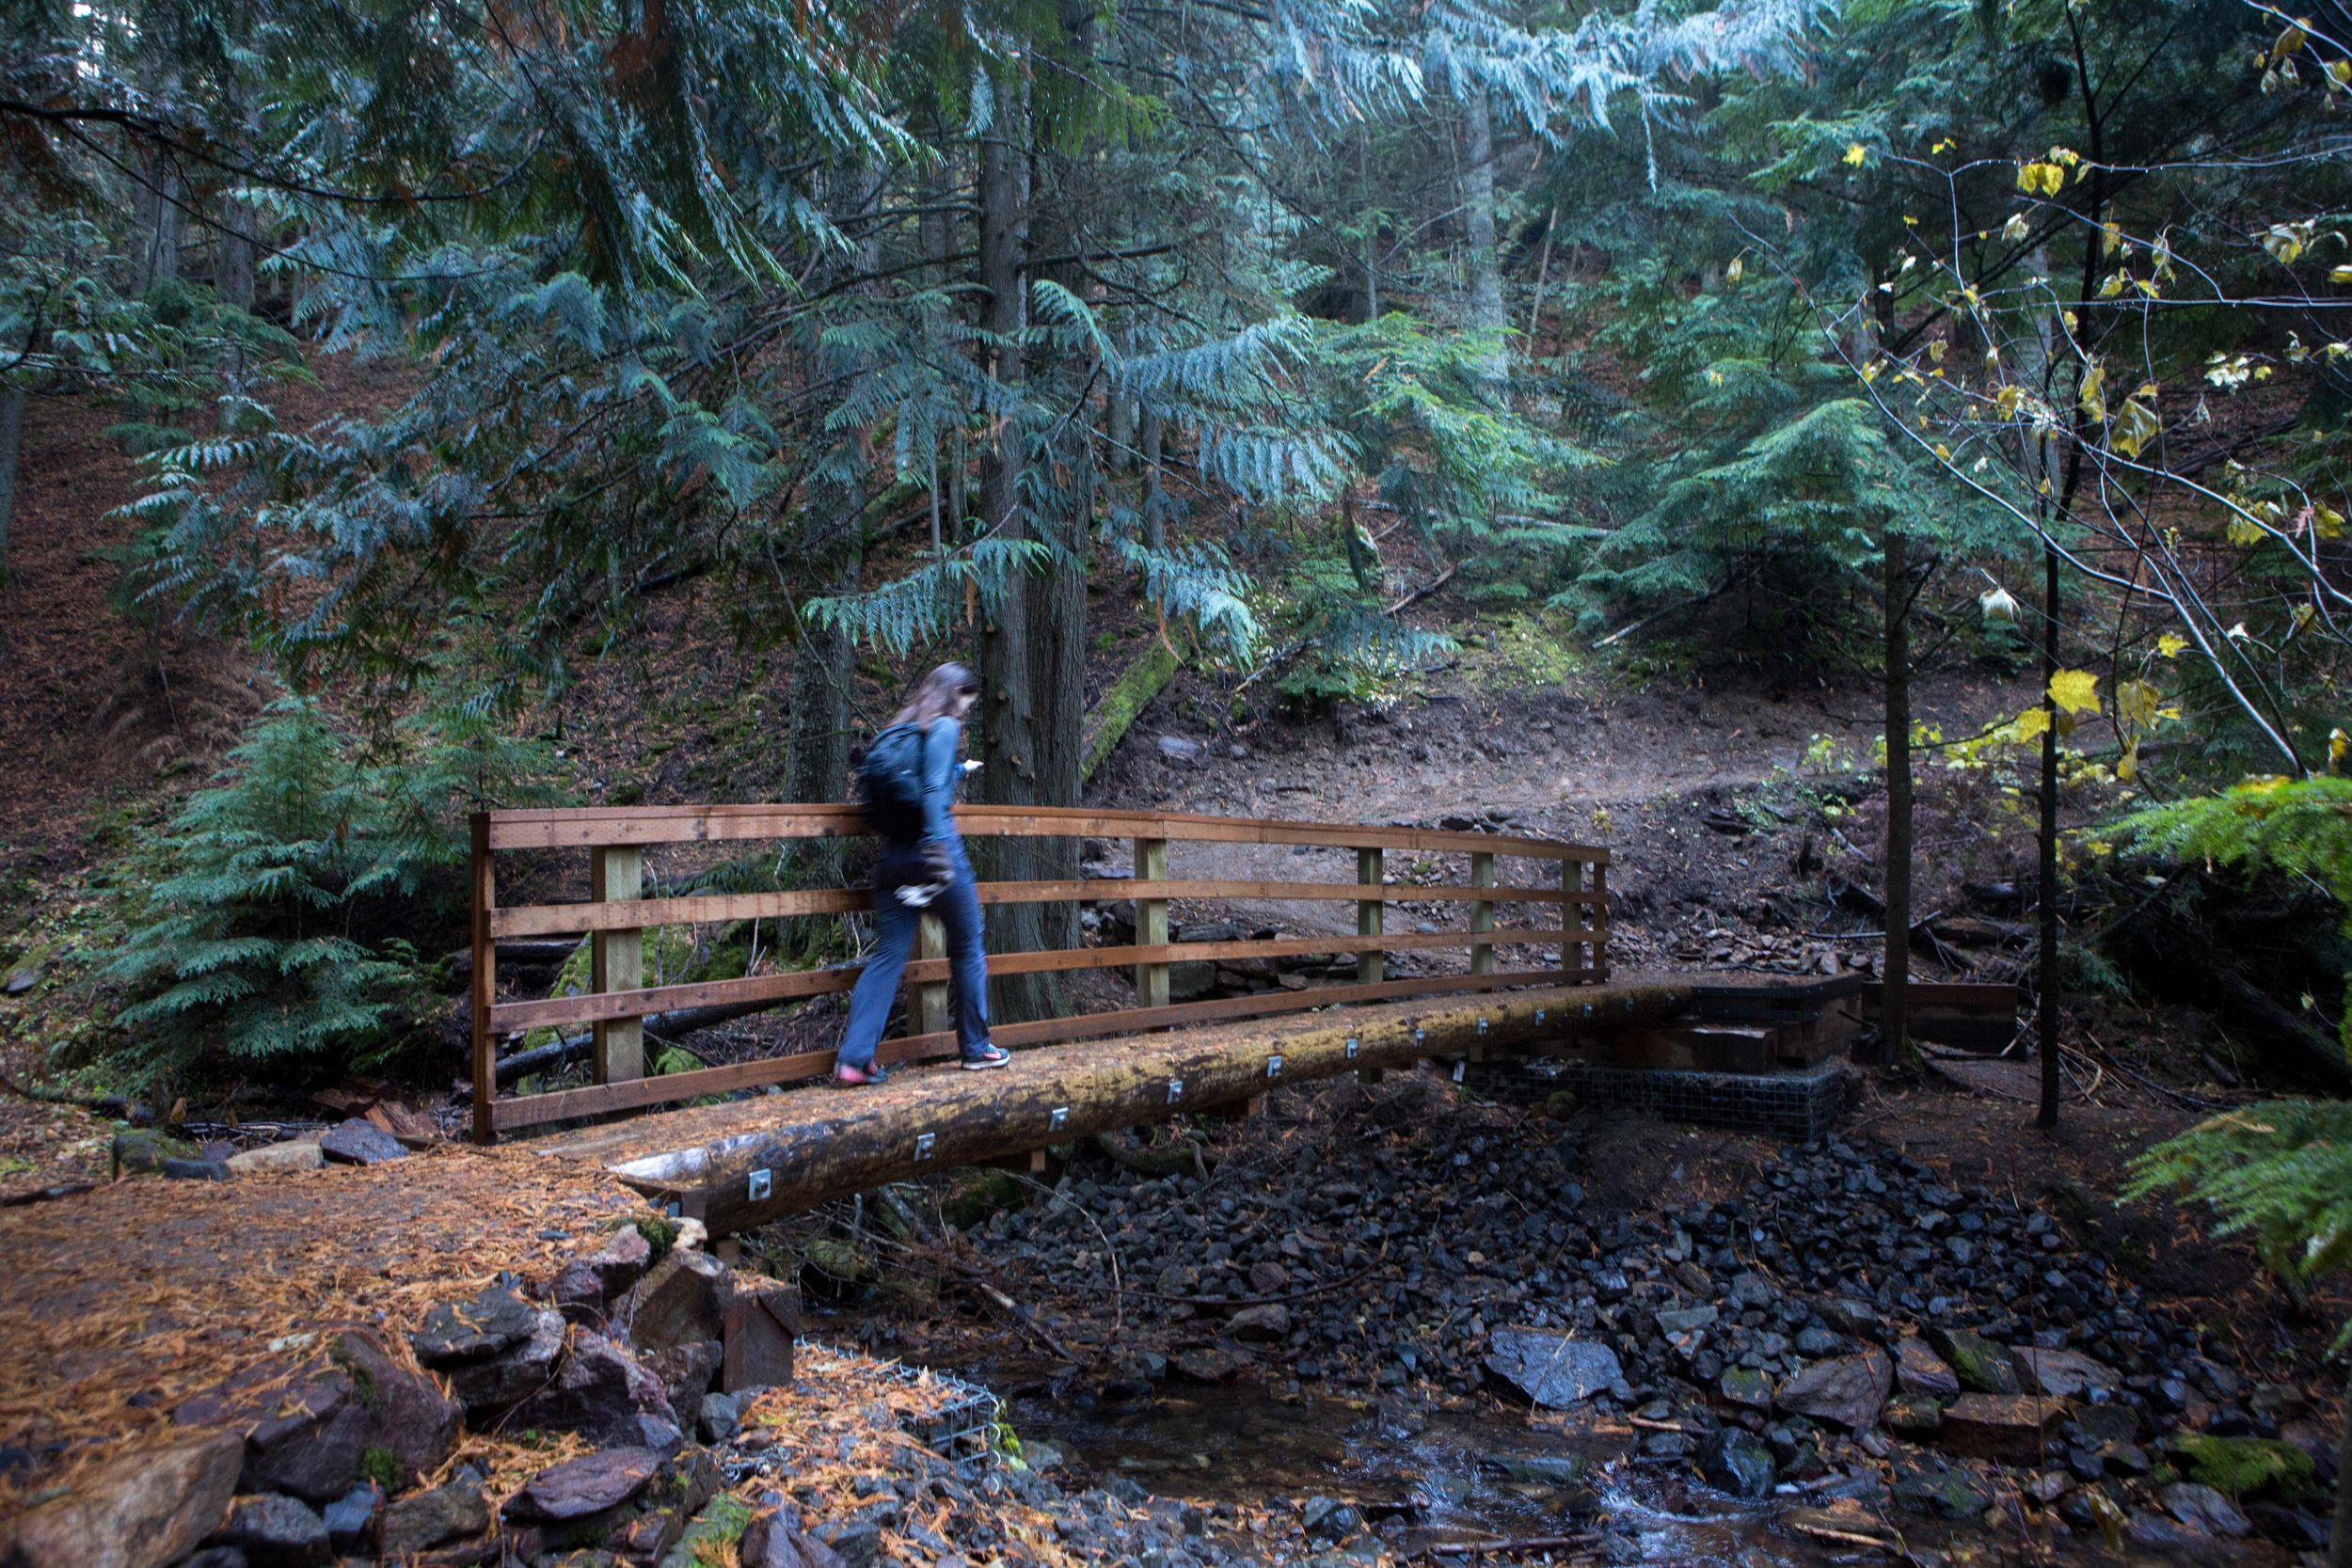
x=1528 y=915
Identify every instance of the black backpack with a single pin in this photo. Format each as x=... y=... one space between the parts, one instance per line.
x=891 y=781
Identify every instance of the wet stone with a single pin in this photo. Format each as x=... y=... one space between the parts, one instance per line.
x=423 y=1520
x=359 y=1142
x=1734 y=1459
x=274 y=1530
x=1552 y=1371
x=2007 y=1428
x=1919 y=1371
x=479 y=1327
x=581 y=1487
x=2202 y=1507
x=1746 y=1387
x=1849 y=1390
x=1981 y=1365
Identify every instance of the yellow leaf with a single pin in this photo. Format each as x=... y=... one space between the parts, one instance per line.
x=2005 y=402
x=2040 y=178
x=1739 y=267
x=2113 y=286
x=2127 y=766
x=1943 y=452
x=2169 y=644
x=2340 y=72
x=1942 y=145
x=2136 y=704
x=1856 y=155
x=2092 y=397
x=2244 y=533
x=2111 y=238
x=2135 y=428
x=2338 y=744
x=2340 y=274
x=2066 y=155
x=2031 y=724
x=2015 y=229
x=2075 y=690
x=1935 y=350
x=2326 y=521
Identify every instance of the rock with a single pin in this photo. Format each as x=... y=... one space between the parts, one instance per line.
x=686 y=1372
x=1682 y=1320
x=855 y=1544
x=774 y=1539
x=1734 y=1459
x=2107 y=1423
x=144 y=1509
x=687 y=1481
x=1946 y=1493
x=1177 y=747
x=309 y=1421
x=722 y=1417
x=1849 y=1316
x=1210 y=1365
x=1271 y=1320
x=198 y=1170
x=597 y=1484
x=1849 y=1390
x=599 y=1391
x=359 y=1142
x=475 y=1329
x=2007 y=1428
x=489 y=1387
x=2246 y=1466
x=1981 y=1365
x=762 y=1317
x=1552 y=1469
x=588 y=1285
x=1746 y=1387
x=349 y=1517
x=143 y=1153
x=2204 y=1508
x=1813 y=1342
x=1552 y=1371
x=274 y=1530
x=1919 y=1371
x=2158 y=1533
x=296 y=1154
x=2061 y=1373
x=423 y=1520
x=1913 y=1417
x=683 y=1299
x=1329 y=1521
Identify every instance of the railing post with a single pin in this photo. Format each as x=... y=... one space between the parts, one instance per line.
x=618 y=961
x=930 y=997
x=1151 y=923
x=1596 y=920
x=1483 y=913
x=485 y=1071
x=1369 y=915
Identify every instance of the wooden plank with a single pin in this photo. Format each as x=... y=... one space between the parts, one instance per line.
x=1151 y=867
x=763 y=987
x=929 y=1009
x=617 y=964
x=1483 y=915
x=486 y=1083
x=644 y=824
x=569 y=1105
x=538 y=920
x=1370 y=913
x=1597 y=905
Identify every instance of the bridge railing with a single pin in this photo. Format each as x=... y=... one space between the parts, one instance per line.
x=616 y=916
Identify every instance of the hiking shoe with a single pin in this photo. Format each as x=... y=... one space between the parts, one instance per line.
x=984 y=1058
x=872 y=1072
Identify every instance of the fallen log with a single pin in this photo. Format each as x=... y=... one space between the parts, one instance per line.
x=1128 y=696
x=745 y=1165
x=669 y=1027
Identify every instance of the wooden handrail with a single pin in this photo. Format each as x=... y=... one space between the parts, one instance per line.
x=616 y=919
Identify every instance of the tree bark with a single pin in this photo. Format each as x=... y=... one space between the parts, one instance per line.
x=1894 y=1021
x=1485 y=267
x=2047 y=1005
x=2340 y=1541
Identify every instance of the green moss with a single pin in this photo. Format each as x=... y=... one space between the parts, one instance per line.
x=981 y=1192
x=382 y=1467
x=710 y=1538
x=2246 y=1466
x=659 y=1232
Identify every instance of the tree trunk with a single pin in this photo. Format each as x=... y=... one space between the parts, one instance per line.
x=1485 y=267
x=2340 y=1542
x=1372 y=228
x=12 y=442
x=2046 y=1006
x=1154 y=495
x=1893 y=1021
x=1009 y=720
x=233 y=278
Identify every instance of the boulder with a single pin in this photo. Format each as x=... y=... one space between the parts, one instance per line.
x=1271 y=1320
x=2246 y=1466
x=763 y=1315
x=681 y=1299
x=2007 y=1428
x=274 y=1530
x=1735 y=1459
x=1745 y=1387
x=2202 y=1507
x=488 y=1387
x=686 y=1372
x=589 y=1285
x=1329 y=1520
x=1981 y=1365
x=1552 y=1370
x=599 y=1391
x=584 y=1487
x=2062 y=1373
x=722 y=1417
x=297 y=1154
x=687 y=1482
x=774 y=1539
x=1919 y=1371
x=349 y=1517
x=1849 y=1390
x=309 y=1421
x=423 y=1520
x=359 y=1142
x=144 y=1509
x=475 y=1329
x=198 y=1170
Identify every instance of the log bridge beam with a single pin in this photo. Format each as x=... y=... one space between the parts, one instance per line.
x=746 y=1163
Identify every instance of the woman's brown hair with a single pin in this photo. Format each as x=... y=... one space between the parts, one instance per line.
x=935 y=694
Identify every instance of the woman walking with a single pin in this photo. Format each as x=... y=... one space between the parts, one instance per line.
x=910 y=777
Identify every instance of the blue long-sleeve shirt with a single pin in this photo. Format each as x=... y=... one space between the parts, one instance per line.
x=941 y=742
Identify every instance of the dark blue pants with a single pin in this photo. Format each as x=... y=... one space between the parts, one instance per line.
x=959 y=911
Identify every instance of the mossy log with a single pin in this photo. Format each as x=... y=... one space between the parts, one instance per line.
x=744 y=1164
x=1128 y=696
